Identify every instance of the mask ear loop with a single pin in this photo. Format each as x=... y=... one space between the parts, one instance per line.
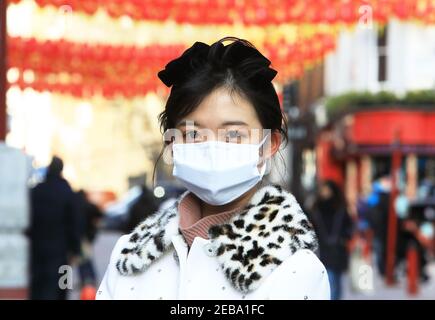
x=266 y=161
x=168 y=143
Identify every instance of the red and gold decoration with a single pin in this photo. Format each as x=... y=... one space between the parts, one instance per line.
x=85 y=70
x=253 y=12
x=293 y=34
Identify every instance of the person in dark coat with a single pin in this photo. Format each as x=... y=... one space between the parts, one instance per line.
x=54 y=233
x=144 y=206
x=379 y=203
x=334 y=229
x=90 y=216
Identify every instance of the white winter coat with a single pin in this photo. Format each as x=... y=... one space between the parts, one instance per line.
x=263 y=252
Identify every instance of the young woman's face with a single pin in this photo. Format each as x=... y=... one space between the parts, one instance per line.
x=228 y=118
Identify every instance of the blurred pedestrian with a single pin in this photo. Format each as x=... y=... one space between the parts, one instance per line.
x=412 y=235
x=91 y=216
x=379 y=202
x=144 y=206
x=334 y=229
x=54 y=232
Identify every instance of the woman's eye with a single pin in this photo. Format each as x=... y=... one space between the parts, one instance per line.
x=191 y=135
x=234 y=135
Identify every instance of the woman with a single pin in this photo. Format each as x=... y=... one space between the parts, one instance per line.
x=229 y=236
x=334 y=228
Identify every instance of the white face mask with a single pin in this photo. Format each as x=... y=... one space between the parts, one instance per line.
x=217 y=172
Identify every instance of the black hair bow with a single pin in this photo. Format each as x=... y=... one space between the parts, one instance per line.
x=244 y=59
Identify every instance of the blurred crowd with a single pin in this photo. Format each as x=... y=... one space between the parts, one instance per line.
x=363 y=237
x=64 y=225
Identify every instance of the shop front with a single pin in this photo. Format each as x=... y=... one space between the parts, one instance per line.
x=398 y=143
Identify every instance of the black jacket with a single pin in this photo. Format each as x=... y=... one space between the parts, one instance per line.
x=334 y=228
x=55 y=222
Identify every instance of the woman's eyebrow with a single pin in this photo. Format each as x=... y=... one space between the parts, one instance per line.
x=186 y=123
x=234 y=123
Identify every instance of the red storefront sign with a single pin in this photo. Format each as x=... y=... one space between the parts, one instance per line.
x=380 y=127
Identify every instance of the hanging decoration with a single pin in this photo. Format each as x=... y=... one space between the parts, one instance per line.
x=295 y=34
x=85 y=70
x=254 y=12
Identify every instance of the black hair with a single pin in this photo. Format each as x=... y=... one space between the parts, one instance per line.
x=245 y=72
x=238 y=67
x=55 y=168
x=337 y=196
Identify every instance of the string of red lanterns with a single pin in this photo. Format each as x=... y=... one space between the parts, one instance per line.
x=255 y=12
x=84 y=70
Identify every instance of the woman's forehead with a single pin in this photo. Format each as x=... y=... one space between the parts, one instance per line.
x=221 y=109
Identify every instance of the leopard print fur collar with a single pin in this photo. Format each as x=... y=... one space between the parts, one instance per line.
x=249 y=247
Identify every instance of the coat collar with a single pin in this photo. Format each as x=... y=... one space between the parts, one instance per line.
x=268 y=230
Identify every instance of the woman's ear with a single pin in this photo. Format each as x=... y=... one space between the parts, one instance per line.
x=276 y=140
x=272 y=144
